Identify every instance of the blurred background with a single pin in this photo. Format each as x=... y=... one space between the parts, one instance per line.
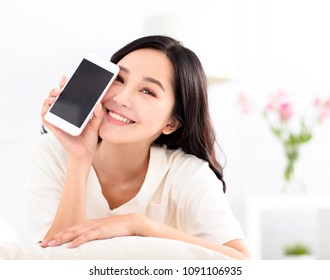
x=250 y=49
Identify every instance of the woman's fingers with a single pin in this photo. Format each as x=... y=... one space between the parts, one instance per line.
x=104 y=228
x=49 y=101
x=97 y=117
x=67 y=235
x=55 y=92
x=63 y=81
x=83 y=238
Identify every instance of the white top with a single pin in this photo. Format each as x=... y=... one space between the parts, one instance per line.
x=179 y=190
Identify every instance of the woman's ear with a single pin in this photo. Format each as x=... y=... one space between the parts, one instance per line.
x=171 y=126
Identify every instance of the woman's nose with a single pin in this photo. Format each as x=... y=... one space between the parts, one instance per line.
x=123 y=97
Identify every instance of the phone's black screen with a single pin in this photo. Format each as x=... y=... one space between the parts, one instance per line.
x=82 y=91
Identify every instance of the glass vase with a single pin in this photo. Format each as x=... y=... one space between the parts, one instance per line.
x=295 y=184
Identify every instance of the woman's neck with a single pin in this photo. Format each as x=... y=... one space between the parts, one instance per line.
x=121 y=163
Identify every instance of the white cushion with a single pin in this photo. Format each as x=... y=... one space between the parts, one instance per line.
x=119 y=248
x=7 y=232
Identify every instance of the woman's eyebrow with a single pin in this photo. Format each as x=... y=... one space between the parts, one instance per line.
x=124 y=69
x=154 y=81
x=147 y=79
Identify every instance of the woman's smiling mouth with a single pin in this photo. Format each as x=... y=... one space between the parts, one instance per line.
x=119 y=118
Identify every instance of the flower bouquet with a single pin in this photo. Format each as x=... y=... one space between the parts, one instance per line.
x=279 y=113
x=291 y=130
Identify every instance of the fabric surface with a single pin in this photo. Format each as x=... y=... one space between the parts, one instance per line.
x=119 y=248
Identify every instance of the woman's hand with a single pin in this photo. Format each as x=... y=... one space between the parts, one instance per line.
x=136 y=224
x=115 y=226
x=76 y=146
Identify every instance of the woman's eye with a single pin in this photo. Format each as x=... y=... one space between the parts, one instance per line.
x=147 y=91
x=119 y=79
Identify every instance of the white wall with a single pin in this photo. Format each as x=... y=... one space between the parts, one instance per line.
x=277 y=44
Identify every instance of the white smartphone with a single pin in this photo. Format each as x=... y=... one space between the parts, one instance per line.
x=72 y=110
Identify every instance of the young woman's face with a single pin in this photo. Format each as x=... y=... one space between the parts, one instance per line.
x=139 y=104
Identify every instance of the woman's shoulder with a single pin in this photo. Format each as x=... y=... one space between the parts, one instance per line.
x=175 y=156
x=47 y=145
x=188 y=177
x=181 y=163
x=48 y=140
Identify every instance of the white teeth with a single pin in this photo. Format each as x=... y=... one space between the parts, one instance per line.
x=118 y=117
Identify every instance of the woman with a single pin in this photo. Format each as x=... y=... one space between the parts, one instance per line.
x=145 y=163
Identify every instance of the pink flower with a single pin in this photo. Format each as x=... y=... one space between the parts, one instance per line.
x=280 y=105
x=317 y=101
x=270 y=106
x=285 y=111
x=325 y=114
x=324 y=108
x=327 y=103
x=245 y=103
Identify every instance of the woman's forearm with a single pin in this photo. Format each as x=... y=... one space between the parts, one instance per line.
x=147 y=227
x=71 y=208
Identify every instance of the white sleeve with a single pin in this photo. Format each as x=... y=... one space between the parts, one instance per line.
x=203 y=209
x=45 y=182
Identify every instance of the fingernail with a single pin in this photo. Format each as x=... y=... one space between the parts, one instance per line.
x=52 y=243
x=63 y=80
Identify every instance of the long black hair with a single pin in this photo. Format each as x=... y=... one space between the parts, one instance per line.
x=195 y=135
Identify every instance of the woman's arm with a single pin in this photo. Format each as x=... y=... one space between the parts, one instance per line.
x=236 y=249
x=136 y=224
x=80 y=151
x=71 y=208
